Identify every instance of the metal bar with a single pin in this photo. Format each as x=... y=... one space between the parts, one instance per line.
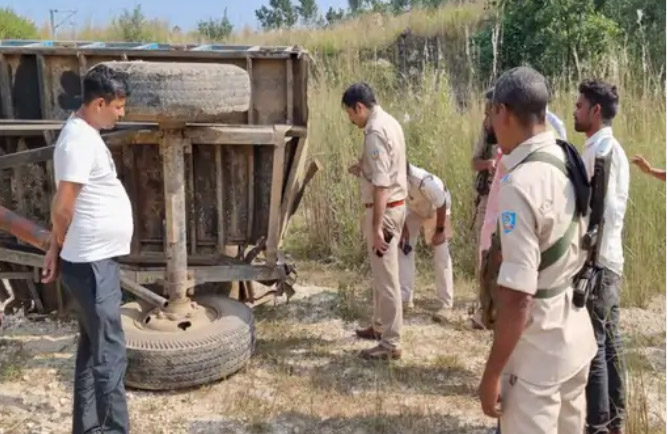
x=218 y=273
x=35 y=296
x=220 y=203
x=289 y=93
x=6 y=99
x=24 y=229
x=172 y=148
x=271 y=253
x=143 y=293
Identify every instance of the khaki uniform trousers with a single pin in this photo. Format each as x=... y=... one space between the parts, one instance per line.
x=442 y=260
x=531 y=409
x=387 y=308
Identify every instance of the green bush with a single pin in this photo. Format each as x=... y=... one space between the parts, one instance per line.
x=13 y=26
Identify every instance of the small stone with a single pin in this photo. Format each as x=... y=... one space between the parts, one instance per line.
x=62 y=401
x=26 y=377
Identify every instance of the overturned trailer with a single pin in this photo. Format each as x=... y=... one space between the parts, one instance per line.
x=213 y=155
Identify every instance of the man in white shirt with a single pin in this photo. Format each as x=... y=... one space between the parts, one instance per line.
x=92 y=225
x=428 y=208
x=595 y=109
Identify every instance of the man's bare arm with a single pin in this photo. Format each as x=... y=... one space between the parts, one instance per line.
x=62 y=209
x=511 y=318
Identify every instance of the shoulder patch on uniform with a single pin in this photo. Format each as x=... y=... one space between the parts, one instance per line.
x=508 y=221
x=375 y=154
x=505 y=178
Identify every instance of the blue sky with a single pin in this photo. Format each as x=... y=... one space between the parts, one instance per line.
x=182 y=13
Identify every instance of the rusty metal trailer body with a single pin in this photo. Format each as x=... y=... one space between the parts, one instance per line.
x=212 y=189
x=242 y=172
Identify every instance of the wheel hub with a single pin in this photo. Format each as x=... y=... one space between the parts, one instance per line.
x=186 y=316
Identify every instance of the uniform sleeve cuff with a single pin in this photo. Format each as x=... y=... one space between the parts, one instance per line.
x=381 y=180
x=518 y=277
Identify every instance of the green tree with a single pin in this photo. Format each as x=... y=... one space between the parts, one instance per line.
x=132 y=25
x=399 y=6
x=308 y=11
x=216 y=30
x=13 y=26
x=334 y=15
x=644 y=27
x=281 y=14
x=566 y=36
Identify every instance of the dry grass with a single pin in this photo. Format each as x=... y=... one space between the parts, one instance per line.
x=305 y=376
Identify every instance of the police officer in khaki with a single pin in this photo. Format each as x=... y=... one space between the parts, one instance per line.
x=428 y=208
x=536 y=373
x=382 y=172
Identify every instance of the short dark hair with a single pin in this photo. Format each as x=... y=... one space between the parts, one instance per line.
x=601 y=93
x=359 y=93
x=102 y=81
x=524 y=91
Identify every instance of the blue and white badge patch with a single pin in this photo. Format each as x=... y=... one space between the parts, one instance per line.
x=508 y=221
x=375 y=154
x=505 y=178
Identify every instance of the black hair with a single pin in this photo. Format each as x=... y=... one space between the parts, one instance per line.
x=359 y=93
x=101 y=81
x=603 y=94
x=489 y=94
x=524 y=91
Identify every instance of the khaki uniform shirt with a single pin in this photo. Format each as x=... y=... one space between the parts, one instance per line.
x=426 y=193
x=383 y=158
x=537 y=203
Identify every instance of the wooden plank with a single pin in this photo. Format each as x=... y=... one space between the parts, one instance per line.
x=251 y=193
x=35 y=296
x=231 y=135
x=166 y=54
x=19 y=182
x=190 y=198
x=16 y=275
x=30 y=156
x=251 y=105
x=130 y=178
x=220 y=203
x=6 y=101
x=21 y=258
x=304 y=89
x=83 y=69
x=273 y=230
x=44 y=84
x=289 y=93
x=292 y=185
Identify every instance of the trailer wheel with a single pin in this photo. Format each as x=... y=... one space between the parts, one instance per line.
x=188 y=92
x=199 y=355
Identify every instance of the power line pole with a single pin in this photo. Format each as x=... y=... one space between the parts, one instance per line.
x=52 y=19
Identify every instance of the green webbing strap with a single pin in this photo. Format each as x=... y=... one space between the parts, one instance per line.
x=556 y=251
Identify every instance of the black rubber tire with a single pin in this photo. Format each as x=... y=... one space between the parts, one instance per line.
x=169 y=360
x=188 y=92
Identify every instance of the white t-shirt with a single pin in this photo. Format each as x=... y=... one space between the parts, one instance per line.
x=101 y=226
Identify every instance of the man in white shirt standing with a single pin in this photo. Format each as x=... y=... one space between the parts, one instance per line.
x=92 y=225
x=595 y=109
x=428 y=208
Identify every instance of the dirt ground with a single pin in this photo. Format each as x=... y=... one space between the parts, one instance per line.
x=305 y=376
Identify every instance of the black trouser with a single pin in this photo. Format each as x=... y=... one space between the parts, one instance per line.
x=99 y=394
x=605 y=388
